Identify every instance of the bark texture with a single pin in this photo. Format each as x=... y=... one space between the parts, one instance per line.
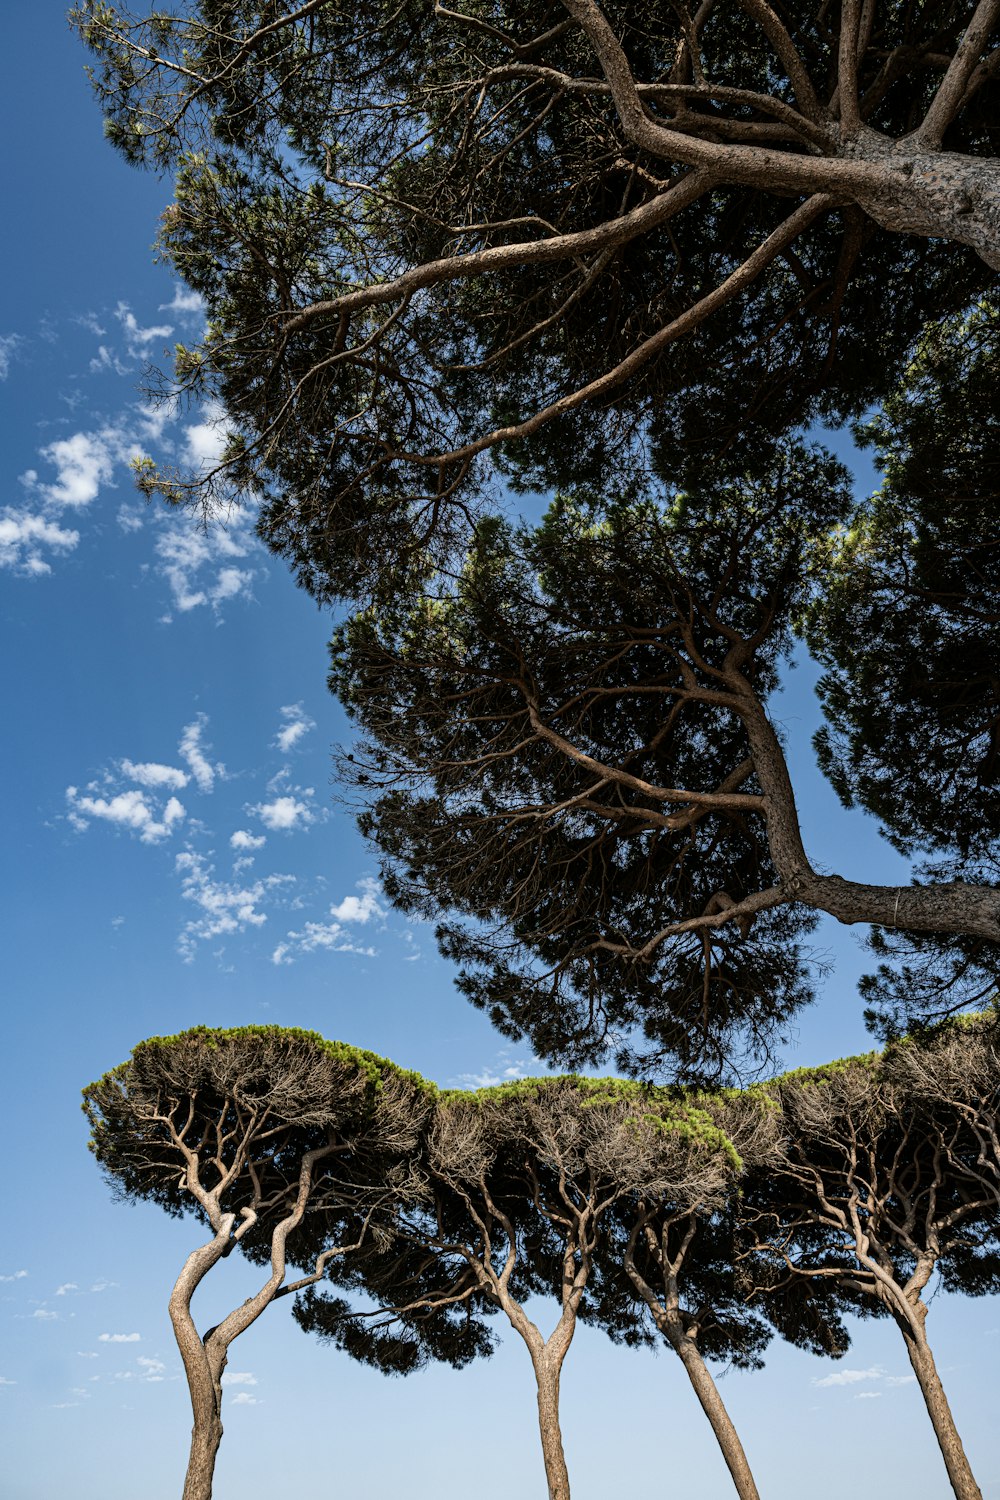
x=960 y=1474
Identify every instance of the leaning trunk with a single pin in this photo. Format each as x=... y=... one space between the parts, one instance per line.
x=547 y=1382
x=712 y=1405
x=922 y=1360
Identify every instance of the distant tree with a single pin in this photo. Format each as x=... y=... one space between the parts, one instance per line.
x=879 y=1188
x=253 y=1130
x=520 y=1182
x=428 y=233
x=680 y=1256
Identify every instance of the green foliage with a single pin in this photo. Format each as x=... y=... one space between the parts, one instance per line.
x=520 y=722
x=321 y=152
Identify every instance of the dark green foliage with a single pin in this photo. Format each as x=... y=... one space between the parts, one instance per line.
x=908 y=625
x=339 y=150
x=525 y=734
x=908 y=629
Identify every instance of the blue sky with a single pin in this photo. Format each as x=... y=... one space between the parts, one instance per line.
x=173 y=855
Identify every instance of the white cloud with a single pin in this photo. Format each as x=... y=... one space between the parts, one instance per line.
x=850 y=1377
x=297 y=724
x=103 y=1285
x=317 y=936
x=63 y=1405
x=504 y=1068
x=285 y=814
x=128 y=810
x=868 y=1395
x=130 y=518
x=44 y=1315
x=67 y=1286
x=192 y=751
x=225 y=908
x=900 y=1379
x=185 y=302
x=151 y=774
x=239 y=1377
x=106 y=361
x=230 y=583
x=22 y=536
x=360 y=908
x=242 y=839
x=244 y=1399
x=9 y=343
x=17 y=1276
x=83 y=462
x=151 y=1369
x=138 y=340
x=5 y=1381
x=204 y=441
x=199 y=565
x=119 y=1338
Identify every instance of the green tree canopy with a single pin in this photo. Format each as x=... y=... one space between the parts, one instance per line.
x=521 y=1181
x=554 y=232
x=882 y=1184
x=252 y=1130
x=566 y=756
x=908 y=630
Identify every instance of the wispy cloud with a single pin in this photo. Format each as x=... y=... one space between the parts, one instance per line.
x=297 y=724
x=239 y=1377
x=67 y=1286
x=504 y=1068
x=16 y=1276
x=119 y=1338
x=185 y=303
x=244 y=1398
x=334 y=936
x=45 y=1315
x=23 y=535
x=200 y=566
x=225 y=907
x=138 y=340
x=193 y=751
x=850 y=1377
x=9 y=345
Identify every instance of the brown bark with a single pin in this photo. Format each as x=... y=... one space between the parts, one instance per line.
x=954 y=907
x=714 y=1408
x=547 y=1372
x=922 y=1362
x=906 y=186
x=204 y=1374
x=667 y=1317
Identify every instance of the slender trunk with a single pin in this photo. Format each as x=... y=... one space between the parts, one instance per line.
x=203 y=1378
x=922 y=1360
x=206 y=1436
x=547 y=1382
x=712 y=1405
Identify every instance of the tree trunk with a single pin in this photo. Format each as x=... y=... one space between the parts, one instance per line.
x=922 y=1360
x=938 y=194
x=547 y=1383
x=712 y=1405
x=205 y=1439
